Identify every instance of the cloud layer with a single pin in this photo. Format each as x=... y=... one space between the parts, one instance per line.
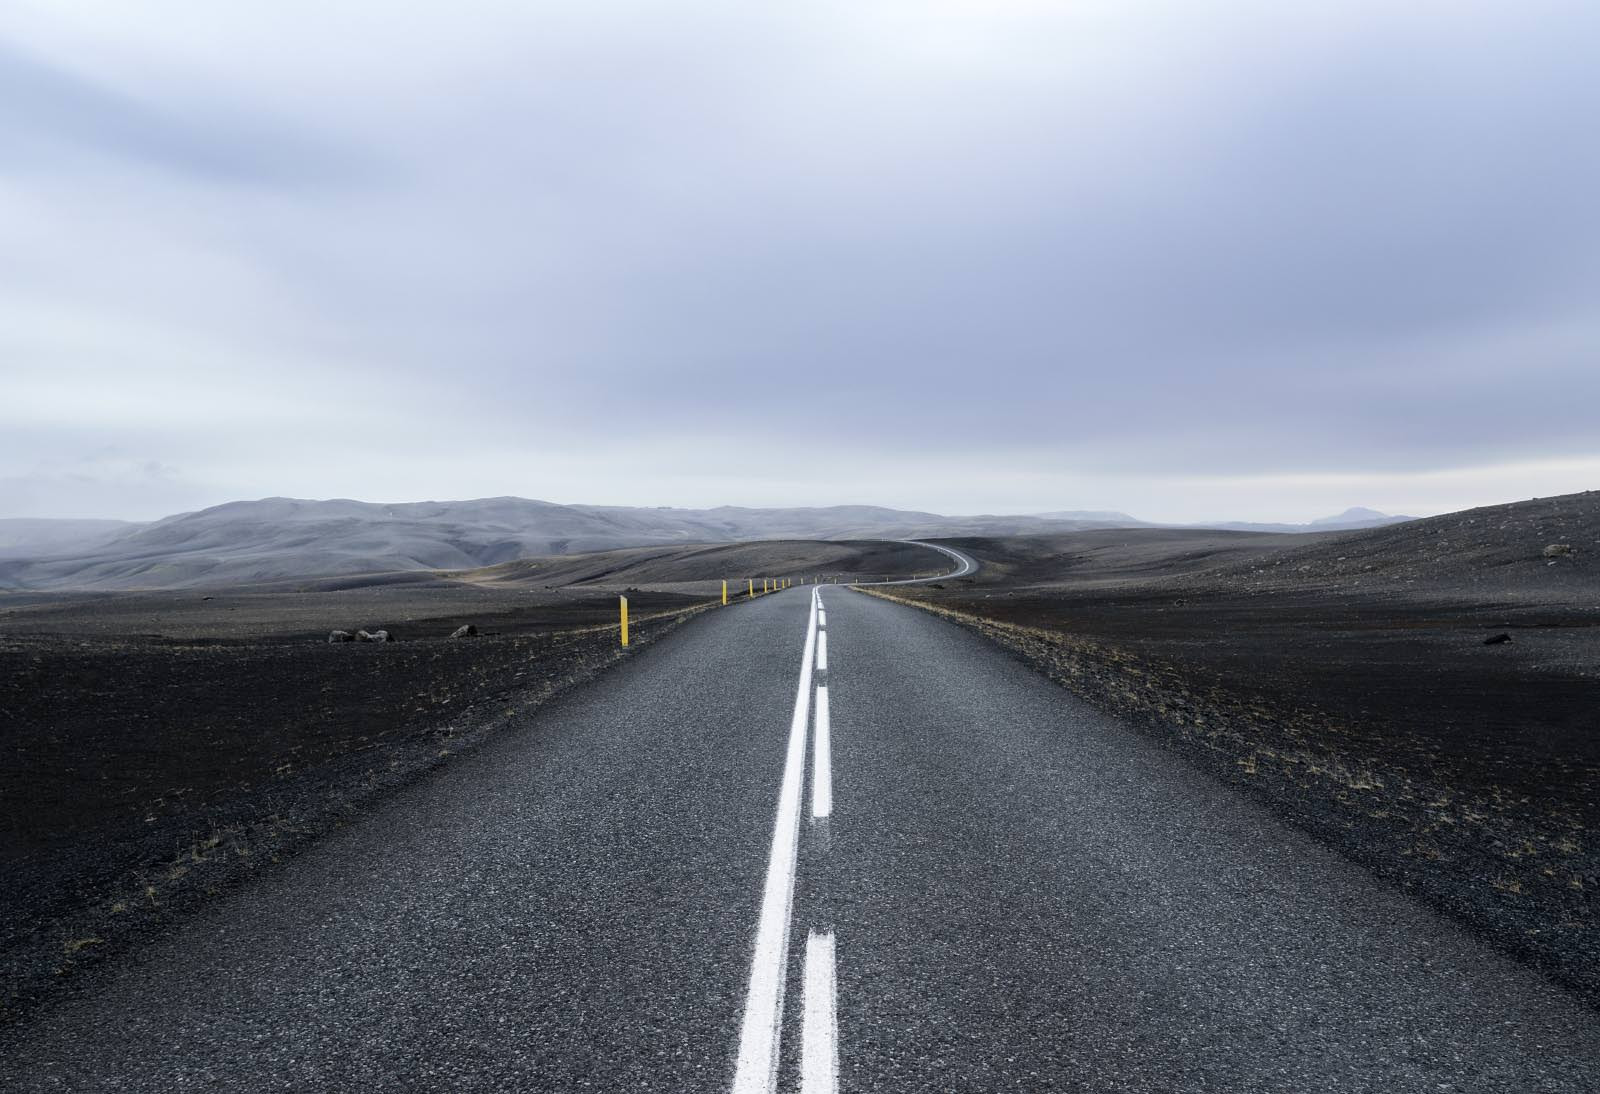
x=1256 y=261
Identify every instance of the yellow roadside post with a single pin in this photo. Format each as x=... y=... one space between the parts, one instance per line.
x=624 y=619
x=752 y=590
x=724 y=592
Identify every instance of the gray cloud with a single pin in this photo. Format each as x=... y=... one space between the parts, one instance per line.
x=49 y=111
x=1149 y=255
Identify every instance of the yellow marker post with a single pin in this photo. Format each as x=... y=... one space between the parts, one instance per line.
x=624 y=619
x=752 y=589
x=724 y=592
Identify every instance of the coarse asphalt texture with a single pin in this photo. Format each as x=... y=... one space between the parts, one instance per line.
x=1024 y=896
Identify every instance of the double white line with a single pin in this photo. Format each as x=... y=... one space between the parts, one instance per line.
x=759 y=1036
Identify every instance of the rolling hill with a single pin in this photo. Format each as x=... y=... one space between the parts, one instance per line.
x=275 y=538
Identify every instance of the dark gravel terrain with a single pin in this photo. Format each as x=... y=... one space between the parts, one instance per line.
x=1345 y=680
x=161 y=746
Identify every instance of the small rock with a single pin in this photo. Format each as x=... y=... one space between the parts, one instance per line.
x=466 y=630
x=1558 y=550
x=341 y=636
x=1497 y=639
x=373 y=636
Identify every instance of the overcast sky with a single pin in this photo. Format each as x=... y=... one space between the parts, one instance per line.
x=1189 y=260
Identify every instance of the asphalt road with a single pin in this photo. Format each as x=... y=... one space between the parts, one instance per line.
x=966 y=565
x=854 y=849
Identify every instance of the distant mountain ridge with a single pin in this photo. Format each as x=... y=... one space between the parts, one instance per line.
x=275 y=538
x=1349 y=520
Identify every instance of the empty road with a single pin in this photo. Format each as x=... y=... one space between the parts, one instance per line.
x=814 y=844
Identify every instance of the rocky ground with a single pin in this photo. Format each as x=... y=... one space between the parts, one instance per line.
x=159 y=746
x=1345 y=680
x=142 y=774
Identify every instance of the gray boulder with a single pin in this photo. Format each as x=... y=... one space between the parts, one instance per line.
x=374 y=636
x=1558 y=550
x=466 y=630
x=341 y=636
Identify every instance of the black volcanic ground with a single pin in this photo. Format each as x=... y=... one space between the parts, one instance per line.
x=1345 y=679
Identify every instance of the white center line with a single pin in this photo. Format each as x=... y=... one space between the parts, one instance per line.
x=821 y=760
x=757 y=1069
x=819 y=1035
x=822 y=652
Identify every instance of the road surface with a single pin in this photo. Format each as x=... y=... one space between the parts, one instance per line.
x=803 y=849
x=966 y=565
